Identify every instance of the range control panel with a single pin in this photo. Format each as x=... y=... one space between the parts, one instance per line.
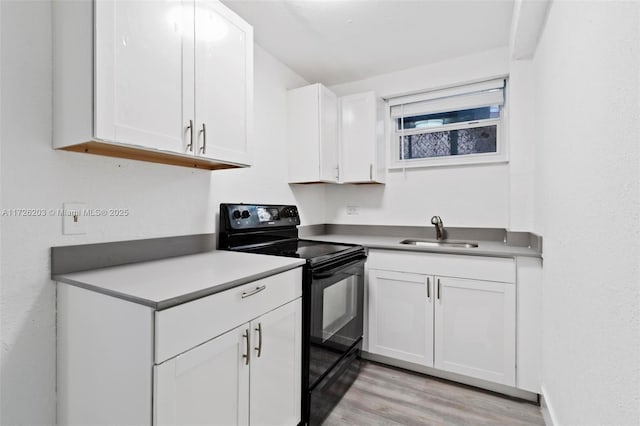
x=251 y=216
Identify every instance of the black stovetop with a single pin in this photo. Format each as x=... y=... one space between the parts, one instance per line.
x=314 y=252
x=272 y=229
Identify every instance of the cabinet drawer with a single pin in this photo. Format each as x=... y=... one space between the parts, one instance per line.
x=182 y=327
x=446 y=265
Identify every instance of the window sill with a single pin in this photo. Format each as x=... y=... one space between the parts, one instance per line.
x=468 y=160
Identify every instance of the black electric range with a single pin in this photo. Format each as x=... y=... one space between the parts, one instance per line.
x=332 y=297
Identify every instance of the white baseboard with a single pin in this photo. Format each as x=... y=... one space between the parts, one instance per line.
x=548 y=414
x=483 y=384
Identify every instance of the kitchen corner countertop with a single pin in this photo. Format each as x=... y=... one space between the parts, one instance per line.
x=485 y=248
x=164 y=283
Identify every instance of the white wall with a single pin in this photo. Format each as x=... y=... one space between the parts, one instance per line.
x=163 y=200
x=28 y=338
x=474 y=196
x=587 y=70
x=1 y=205
x=522 y=142
x=264 y=182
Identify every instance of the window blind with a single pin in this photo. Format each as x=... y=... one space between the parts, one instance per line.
x=451 y=99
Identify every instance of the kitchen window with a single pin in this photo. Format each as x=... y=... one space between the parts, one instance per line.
x=458 y=125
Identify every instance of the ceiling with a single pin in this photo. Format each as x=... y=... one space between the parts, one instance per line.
x=336 y=41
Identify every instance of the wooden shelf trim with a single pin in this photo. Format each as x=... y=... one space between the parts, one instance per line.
x=149 y=155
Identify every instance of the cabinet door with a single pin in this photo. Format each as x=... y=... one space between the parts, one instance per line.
x=303 y=134
x=206 y=385
x=358 y=137
x=223 y=82
x=312 y=134
x=401 y=316
x=143 y=93
x=276 y=366
x=329 y=169
x=475 y=329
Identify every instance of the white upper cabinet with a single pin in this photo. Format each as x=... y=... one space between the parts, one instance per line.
x=161 y=81
x=362 y=139
x=139 y=73
x=223 y=82
x=312 y=137
x=335 y=140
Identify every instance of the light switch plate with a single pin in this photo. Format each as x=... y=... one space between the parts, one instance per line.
x=352 y=210
x=73 y=222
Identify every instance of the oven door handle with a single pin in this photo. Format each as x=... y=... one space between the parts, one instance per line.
x=331 y=272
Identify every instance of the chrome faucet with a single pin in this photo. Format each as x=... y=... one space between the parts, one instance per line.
x=435 y=220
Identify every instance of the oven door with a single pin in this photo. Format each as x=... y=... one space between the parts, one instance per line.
x=336 y=317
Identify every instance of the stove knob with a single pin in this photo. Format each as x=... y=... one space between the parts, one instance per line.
x=245 y=214
x=236 y=214
x=289 y=212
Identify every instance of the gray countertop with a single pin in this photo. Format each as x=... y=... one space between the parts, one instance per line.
x=485 y=247
x=164 y=283
x=127 y=270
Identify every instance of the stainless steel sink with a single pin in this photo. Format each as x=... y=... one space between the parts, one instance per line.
x=442 y=243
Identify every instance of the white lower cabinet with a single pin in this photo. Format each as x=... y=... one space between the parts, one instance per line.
x=461 y=325
x=275 y=367
x=249 y=375
x=475 y=329
x=400 y=316
x=231 y=358
x=206 y=385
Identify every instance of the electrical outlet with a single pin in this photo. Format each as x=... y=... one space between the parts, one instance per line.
x=73 y=222
x=352 y=210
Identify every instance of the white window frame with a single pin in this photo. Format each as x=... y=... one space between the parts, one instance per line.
x=393 y=135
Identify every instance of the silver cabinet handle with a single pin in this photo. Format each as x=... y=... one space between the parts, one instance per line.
x=190 y=128
x=428 y=288
x=203 y=148
x=246 y=356
x=254 y=291
x=438 y=288
x=371 y=171
x=259 y=348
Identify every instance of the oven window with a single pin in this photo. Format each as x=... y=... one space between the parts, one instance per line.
x=339 y=306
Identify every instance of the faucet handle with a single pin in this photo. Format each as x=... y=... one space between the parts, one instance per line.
x=435 y=220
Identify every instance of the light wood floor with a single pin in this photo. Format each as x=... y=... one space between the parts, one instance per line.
x=388 y=396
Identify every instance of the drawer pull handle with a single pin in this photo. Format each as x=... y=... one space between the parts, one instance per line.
x=254 y=291
x=203 y=148
x=259 y=348
x=428 y=288
x=190 y=128
x=438 y=288
x=246 y=356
